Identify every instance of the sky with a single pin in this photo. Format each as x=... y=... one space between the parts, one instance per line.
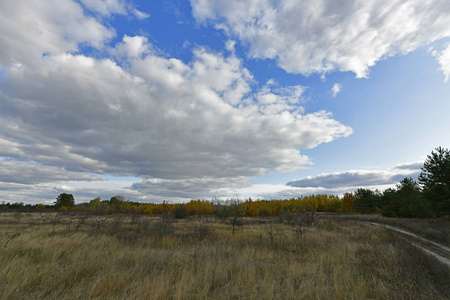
x=177 y=100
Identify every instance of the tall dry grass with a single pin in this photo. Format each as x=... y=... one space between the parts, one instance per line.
x=54 y=256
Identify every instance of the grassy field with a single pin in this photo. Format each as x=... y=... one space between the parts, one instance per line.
x=56 y=256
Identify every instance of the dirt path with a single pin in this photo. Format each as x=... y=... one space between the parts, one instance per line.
x=438 y=251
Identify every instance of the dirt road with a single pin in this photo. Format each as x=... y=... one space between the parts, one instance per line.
x=438 y=251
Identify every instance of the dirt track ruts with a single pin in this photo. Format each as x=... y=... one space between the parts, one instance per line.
x=429 y=247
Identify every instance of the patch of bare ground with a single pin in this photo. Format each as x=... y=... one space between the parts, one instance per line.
x=54 y=256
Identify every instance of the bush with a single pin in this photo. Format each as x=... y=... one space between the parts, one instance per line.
x=180 y=212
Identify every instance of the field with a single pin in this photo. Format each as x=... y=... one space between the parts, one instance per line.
x=75 y=256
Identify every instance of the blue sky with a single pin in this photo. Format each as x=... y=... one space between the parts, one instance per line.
x=179 y=100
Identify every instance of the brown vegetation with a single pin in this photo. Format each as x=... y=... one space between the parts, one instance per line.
x=55 y=256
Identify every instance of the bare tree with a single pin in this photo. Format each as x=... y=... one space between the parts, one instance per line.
x=235 y=213
x=81 y=220
x=163 y=226
x=270 y=231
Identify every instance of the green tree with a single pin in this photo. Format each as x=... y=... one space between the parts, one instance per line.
x=390 y=203
x=413 y=202
x=367 y=201
x=65 y=199
x=435 y=180
x=404 y=201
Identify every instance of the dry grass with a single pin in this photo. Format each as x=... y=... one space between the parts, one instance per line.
x=55 y=256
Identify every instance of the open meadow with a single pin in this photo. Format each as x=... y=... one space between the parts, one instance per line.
x=82 y=256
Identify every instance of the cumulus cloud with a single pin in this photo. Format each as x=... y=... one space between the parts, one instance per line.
x=55 y=181
x=168 y=120
x=322 y=36
x=358 y=178
x=30 y=29
x=443 y=58
x=47 y=193
x=87 y=190
x=131 y=47
x=336 y=89
x=32 y=182
x=39 y=193
x=274 y=99
x=192 y=188
x=29 y=172
x=157 y=117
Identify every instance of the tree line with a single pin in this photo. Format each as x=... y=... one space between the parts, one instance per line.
x=429 y=197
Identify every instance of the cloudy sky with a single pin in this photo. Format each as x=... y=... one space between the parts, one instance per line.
x=179 y=100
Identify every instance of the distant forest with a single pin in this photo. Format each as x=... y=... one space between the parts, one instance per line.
x=428 y=197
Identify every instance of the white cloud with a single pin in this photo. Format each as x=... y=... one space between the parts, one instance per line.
x=106 y=7
x=55 y=181
x=157 y=118
x=193 y=188
x=131 y=47
x=229 y=45
x=29 y=172
x=47 y=193
x=31 y=28
x=65 y=188
x=160 y=118
x=140 y=14
x=110 y=7
x=336 y=89
x=274 y=99
x=31 y=182
x=443 y=59
x=325 y=35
